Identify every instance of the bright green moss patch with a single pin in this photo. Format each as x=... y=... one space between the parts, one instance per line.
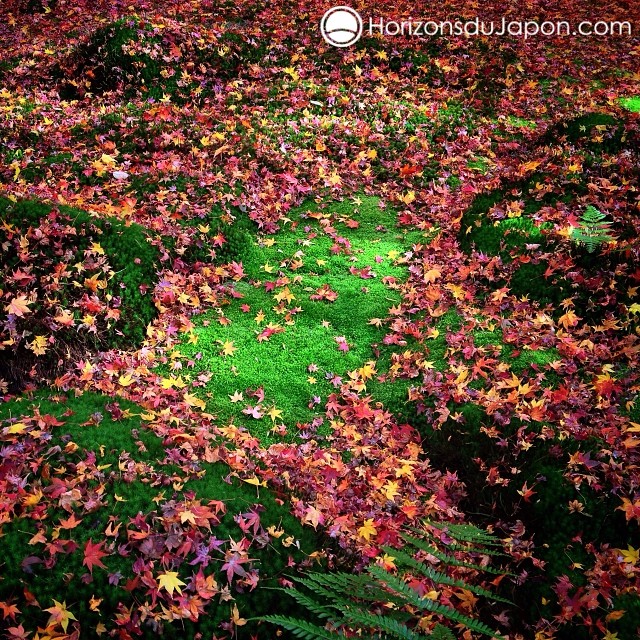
x=515 y=121
x=479 y=164
x=632 y=104
x=306 y=318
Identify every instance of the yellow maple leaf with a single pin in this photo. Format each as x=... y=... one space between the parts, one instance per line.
x=125 y=380
x=194 y=401
x=19 y=427
x=237 y=620
x=187 y=516
x=38 y=345
x=390 y=489
x=274 y=413
x=60 y=614
x=255 y=481
x=409 y=197
x=432 y=275
x=368 y=370
x=170 y=582
x=228 y=349
x=284 y=294
x=629 y=555
x=367 y=529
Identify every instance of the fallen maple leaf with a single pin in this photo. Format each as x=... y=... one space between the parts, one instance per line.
x=367 y=529
x=19 y=306
x=93 y=555
x=60 y=614
x=170 y=582
x=194 y=401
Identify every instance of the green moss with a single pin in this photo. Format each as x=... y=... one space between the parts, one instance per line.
x=632 y=103
x=597 y=131
x=529 y=280
x=295 y=368
x=521 y=122
x=479 y=164
x=503 y=235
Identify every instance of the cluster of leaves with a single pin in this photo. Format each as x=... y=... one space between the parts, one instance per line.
x=71 y=283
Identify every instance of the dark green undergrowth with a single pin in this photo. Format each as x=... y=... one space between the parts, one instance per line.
x=596 y=131
x=560 y=517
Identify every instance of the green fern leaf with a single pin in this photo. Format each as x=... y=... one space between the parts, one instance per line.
x=380 y=623
x=467 y=533
x=453 y=561
x=302 y=629
x=425 y=604
x=591 y=231
x=441 y=578
x=322 y=611
x=440 y=632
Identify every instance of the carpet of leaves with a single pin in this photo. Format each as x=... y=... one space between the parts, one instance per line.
x=259 y=136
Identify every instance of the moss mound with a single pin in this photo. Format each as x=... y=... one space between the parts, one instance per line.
x=121 y=480
x=596 y=131
x=79 y=282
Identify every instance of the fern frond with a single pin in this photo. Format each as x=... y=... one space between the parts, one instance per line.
x=341 y=587
x=441 y=578
x=591 y=231
x=425 y=604
x=322 y=611
x=440 y=632
x=327 y=586
x=451 y=560
x=378 y=622
x=302 y=629
x=467 y=533
x=352 y=600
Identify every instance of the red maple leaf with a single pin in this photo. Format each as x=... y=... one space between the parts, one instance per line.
x=93 y=555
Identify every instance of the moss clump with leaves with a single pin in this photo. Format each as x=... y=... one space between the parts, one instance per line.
x=71 y=283
x=102 y=516
x=220 y=243
x=596 y=131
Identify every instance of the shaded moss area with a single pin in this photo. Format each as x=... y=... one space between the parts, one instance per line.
x=133 y=259
x=596 y=131
x=136 y=480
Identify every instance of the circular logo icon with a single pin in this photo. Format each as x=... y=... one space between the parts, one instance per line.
x=341 y=26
